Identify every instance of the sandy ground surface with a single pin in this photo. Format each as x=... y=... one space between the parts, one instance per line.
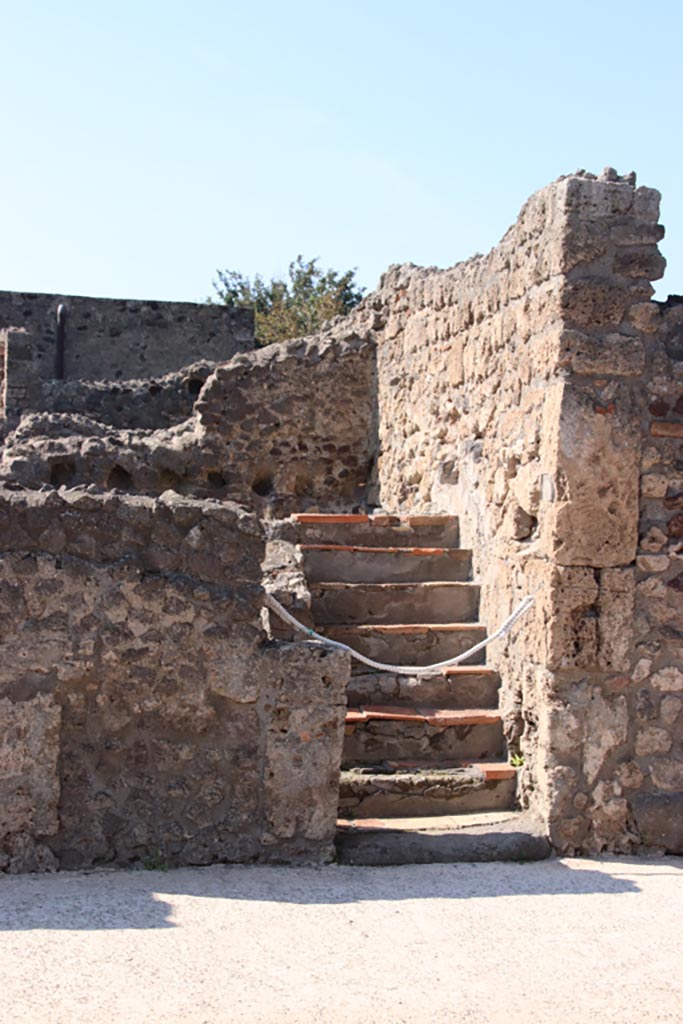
x=555 y=941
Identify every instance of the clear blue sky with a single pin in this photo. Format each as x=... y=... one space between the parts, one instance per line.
x=146 y=144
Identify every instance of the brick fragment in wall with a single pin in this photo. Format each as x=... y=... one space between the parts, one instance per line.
x=674 y=527
x=661 y=429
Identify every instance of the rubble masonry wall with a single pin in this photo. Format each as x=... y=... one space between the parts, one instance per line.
x=111 y=339
x=514 y=391
x=278 y=430
x=143 y=717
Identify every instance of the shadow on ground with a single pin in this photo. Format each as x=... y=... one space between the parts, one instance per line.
x=137 y=899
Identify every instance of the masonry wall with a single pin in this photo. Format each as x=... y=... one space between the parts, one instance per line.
x=113 y=339
x=294 y=425
x=152 y=403
x=654 y=775
x=512 y=392
x=278 y=430
x=3 y=346
x=143 y=718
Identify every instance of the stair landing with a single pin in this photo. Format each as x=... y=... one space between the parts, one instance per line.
x=480 y=836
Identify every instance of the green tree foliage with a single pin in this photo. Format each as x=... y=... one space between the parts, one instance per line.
x=293 y=307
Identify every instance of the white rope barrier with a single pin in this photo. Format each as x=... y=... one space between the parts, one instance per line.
x=405 y=670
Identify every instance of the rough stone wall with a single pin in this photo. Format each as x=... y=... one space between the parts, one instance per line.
x=295 y=424
x=278 y=430
x=148 y=404
x=142 y=715
x=114 y=339
x=512 y=391
x=654 y=775
x=3 y=347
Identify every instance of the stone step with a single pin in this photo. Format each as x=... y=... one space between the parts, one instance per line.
x=407 y=644
x=350 y=603
x=492 y=769
x=353 y=563
x=377 y=530
x=423 y=735
x=483 y=836
x=463 y=686
x=438 y=717
x=376 y=791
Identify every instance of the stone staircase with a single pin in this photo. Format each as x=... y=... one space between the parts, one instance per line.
x=425 y=775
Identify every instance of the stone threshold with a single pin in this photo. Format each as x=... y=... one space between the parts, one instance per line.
x=473 y=837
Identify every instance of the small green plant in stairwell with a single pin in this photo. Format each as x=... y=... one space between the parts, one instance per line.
x=155 y=862
x=516 y=760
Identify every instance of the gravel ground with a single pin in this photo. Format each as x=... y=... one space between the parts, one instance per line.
x=554 y=941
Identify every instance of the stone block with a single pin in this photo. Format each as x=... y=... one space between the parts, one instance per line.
x=606 y=730
x=646 y=204
x=598 y=459
x=668 y=680
x=667 y=773
x=616 y=604
x=670 y=709
x=591 y=200
x=659 y=818
x=654 y=485
x=596 y=303
x=635 y=232
x=640 y=261
x=29 y=780
x=613 y=354
x=568 y=607
x=652 y=740
x=645 y=317
x=307 y=704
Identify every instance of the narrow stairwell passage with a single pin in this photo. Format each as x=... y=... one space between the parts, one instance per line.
x=425 y=775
